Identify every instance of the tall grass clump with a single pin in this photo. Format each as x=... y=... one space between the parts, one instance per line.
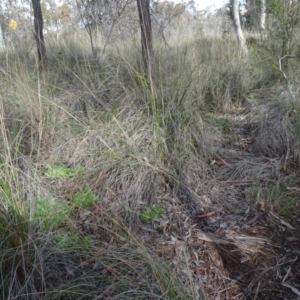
x=84 y=152
x=275 y=110
x=226 y=76
x=275 y=197
x=16 y=232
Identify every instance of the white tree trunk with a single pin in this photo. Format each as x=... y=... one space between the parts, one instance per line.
x=2 y=44
x=262 y=26
x=238 y=28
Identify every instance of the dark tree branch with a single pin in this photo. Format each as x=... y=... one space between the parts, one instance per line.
x=146 y=36
x=38 y=33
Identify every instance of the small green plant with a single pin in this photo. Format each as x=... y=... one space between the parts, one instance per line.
x=50 y=213
x=84 y=198
x=150 y=213
x=62 y=171
x=68 y=242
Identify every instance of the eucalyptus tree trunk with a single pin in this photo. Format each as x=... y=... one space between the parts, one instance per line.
x=146 y=37
x=2 y=44
x=262 y=27
x=38 y=33
x=237 y=27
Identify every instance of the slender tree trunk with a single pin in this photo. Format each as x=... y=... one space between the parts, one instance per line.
x=146 y=35
x=38 y=33
x=238 y=28
x=2 y=44
x=262 y=27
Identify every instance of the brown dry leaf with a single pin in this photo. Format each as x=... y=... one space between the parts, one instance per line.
x=175 y=245
x=231 y=231
x=251 y=221
x=220 y=231
x=209 y=214
x=292 y=239
x=199 y=270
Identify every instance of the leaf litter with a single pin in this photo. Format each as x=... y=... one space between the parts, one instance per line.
x=228 y=247
x=223 y=246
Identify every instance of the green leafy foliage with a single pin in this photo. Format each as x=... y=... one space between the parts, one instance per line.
x=84 y=198
x=70 y=242
x=62 y=171
x=150 y=213
x=283 y=32
x=50 y=213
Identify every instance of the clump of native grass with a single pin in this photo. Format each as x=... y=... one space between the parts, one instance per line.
x=275 y=104
x=225 y=75
x=276 y=136
x=276 y=119
x=46 y=252
x=95 y=122
x=18 y=260
x=275 y=123
x=280 y=198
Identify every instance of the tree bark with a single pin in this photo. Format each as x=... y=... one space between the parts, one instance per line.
x=238 y=28
x=146 y=37
x=38 y=33
x=262 y=27
x=2 y=44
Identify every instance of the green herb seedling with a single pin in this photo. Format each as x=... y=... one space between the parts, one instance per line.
x=150 y=213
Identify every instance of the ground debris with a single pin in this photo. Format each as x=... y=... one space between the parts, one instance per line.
x=226 y=246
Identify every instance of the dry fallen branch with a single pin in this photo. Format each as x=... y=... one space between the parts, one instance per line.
x=243 y=242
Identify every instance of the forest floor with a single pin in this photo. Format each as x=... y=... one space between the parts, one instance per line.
x=224 y=238
x=239 y=248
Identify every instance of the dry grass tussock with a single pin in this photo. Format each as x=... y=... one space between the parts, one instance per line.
x=276 y=119
x=112 y=189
